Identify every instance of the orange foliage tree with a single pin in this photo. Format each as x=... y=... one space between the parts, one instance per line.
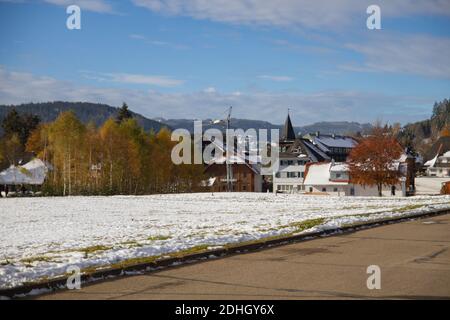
x=371 y=162
x=117 y=158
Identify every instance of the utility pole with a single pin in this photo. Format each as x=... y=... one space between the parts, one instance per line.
x=227 y=122
x=229 y=165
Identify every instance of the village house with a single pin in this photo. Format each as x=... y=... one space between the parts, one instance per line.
x=246 y=177
x=332 y=178
x=29 y=176
x=336 y=147
x=296 y=152
x=439 y=164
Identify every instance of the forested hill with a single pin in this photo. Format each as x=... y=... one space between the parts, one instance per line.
x=337 y=127
x=85 y=111
x=421 y=135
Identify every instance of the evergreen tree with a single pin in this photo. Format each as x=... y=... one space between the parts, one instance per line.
x=123 y=113
x=22 y=125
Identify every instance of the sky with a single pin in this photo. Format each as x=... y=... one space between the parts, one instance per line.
x=194 y=58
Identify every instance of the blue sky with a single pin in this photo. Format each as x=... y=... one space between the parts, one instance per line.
x=193 y=58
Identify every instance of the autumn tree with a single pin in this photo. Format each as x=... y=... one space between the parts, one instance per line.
x=372 y=161
x=38 y=142
x=117 y=158
x=67 y=136
x=11 y=149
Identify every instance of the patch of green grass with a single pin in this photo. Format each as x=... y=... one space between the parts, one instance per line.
x=131 y=244
x=143 y=260
x=307 y=224
x=298 y=226
x=408 y=208
x=5 y=262
x=92 y=249
x=158 y=237
x=192 y=250
x=31 y=260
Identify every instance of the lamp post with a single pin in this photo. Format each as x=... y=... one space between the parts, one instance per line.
x=229 y=167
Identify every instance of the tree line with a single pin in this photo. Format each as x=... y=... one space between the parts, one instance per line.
x=118 y=157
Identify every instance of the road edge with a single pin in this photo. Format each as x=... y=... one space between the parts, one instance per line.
x=60 y=283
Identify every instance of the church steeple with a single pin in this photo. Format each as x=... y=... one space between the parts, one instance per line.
x=288 y=134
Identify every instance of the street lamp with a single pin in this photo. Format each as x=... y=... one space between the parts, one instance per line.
x=227 y=123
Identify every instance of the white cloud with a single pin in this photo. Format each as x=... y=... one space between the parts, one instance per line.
x=137 y=36
x=158 y=43
x=151 y=80
x=101 y=6
x=210 y=90
x=276 y=78
x=18 y=87
x=292 y=13
x=410 y=54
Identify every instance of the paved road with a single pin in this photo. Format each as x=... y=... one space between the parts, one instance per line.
x=414 y=258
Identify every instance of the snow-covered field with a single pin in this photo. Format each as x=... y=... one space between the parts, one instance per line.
x=41 y=237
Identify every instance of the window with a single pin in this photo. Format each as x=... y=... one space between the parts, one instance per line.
x=290 y=162
x=310 y=189
x=292 y=174
x=244 y=188
x=338 y=175
x=324 y=189
x=335 y=190
x=277 y=175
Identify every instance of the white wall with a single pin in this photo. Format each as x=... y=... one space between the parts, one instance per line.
x=360 y=191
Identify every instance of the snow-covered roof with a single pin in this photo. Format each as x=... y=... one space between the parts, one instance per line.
x=339 y=167
x=335 y=141
x=235 y=159
x=431 y=163
x=314 y=150
x=33 y=172
x=319 y=174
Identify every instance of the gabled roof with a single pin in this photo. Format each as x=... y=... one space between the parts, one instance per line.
x=441 y=146
x=334 y=141
x=32 y=173
x=315 y=154
x=288 y=132
x=304 y=148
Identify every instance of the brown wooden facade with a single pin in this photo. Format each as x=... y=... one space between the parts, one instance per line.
x=244 y=178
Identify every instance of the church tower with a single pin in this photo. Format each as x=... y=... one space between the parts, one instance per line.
x=287 y=133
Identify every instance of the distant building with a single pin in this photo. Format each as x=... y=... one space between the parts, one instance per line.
x=19 y=178
x=31 y=173
x=246 y=177
x=336 y=147
x=333 y=179
x=438 y=164
x=295 y=153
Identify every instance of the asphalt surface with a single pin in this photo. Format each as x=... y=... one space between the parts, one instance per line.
x=413 y=256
